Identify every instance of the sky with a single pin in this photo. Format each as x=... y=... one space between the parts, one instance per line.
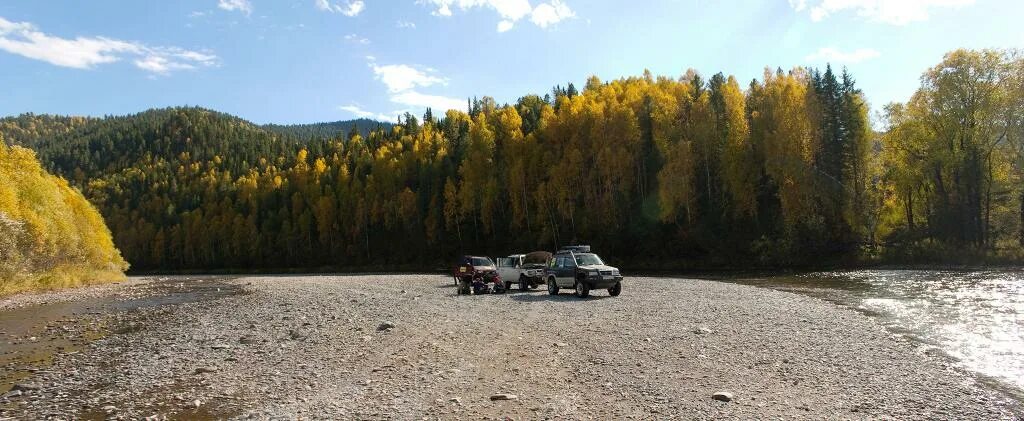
x=301 y=61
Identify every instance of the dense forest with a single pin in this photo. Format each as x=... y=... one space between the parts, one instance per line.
x=654 y=172
x=50 y=236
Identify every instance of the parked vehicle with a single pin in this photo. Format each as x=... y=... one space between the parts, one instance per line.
x=527 y=270
x=477 y=275
x=576 y=267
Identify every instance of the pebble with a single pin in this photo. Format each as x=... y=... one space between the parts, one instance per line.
x=504 y=397
x=722 y=396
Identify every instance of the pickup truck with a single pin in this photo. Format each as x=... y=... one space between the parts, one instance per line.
x=527 y=270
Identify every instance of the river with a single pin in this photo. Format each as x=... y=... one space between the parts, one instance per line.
x=975 y=317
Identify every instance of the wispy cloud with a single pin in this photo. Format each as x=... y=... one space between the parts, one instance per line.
x=351 y=7
x=834 y=55
x=402 y=77
x=438 y=103
x=402 y=24
x=361 y=113
x=356 y=39
x=895 y=12
x=510 y=11
x=24 y=39
x=243 y=6
x=403 y=84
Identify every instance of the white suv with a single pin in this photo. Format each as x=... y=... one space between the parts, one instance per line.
x=512 y=269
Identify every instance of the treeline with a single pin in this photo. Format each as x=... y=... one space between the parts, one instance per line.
x=652 y=171
x=50 y=236
x=953 y=158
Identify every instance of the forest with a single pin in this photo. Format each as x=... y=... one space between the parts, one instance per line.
x=654 y=172
x=50 y=236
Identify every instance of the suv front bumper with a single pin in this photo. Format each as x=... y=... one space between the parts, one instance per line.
x=602 y=282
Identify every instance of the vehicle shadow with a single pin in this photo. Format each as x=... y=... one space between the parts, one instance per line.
x=562 y=297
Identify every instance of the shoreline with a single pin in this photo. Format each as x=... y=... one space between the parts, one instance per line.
x=779 y=353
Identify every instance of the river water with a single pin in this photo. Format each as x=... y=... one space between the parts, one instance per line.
x=975 y=317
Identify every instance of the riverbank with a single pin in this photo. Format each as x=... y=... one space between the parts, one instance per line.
x=320 y=347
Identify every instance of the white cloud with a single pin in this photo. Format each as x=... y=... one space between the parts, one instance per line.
x=235 y=5
x=361 y=113
x=834 y=55
x=401 y=77
x=895 y=12
x=438 y=103
x=547 y=14
x=351 y=8
x=356 y=39
x=402 y=24
x=403 y=83
x=510 y=11
x=24 y=39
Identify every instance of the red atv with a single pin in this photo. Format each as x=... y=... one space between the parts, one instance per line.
x=477 y=275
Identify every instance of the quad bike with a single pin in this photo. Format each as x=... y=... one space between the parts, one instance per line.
x=476 y=275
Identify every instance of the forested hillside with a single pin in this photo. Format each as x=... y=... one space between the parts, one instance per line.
x=333 y=129
x=653 y=171
x=50 y=236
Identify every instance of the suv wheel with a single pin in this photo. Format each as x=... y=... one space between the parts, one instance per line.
x=582 y=290
x=524 y=285
x=552 y=286
x=615 y=290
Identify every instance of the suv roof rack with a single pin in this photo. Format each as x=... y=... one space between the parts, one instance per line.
x=574 y=249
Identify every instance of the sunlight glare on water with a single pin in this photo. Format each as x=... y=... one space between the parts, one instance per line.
x=974 y=316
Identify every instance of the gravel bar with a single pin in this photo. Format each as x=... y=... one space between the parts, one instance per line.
x=407 y=347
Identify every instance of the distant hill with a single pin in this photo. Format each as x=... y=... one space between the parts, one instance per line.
x=332 y=129
x=185 y=187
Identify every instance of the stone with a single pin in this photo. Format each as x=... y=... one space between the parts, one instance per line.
x=702 y=330
x=385 y=327
x=247 y=340
x=504 y=397
x=722 y=396
x=204 y=370
x=25 y=387
x=220 y=346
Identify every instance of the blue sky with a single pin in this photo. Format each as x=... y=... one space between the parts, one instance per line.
x=292 y=61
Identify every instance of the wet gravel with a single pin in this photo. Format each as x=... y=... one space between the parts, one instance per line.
x=406 y=347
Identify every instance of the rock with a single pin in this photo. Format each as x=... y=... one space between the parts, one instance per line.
x=561 y=344
x=722 y=396
x=296 y=335
x=385 y=327
x=109 y=409
x=25 y=387
x=503 y=397
x=197 y=403
x=702 y=330
x=455 y=400
x=204 y=370
x=247 y=340
x=11 y=394
x=220 y=346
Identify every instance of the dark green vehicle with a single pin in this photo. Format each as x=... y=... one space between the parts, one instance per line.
x=576 y=267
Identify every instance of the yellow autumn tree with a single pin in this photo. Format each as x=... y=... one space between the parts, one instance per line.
x=50 y=236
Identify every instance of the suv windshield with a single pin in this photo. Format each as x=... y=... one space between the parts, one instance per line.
x=482 y=261
x=585 y=259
